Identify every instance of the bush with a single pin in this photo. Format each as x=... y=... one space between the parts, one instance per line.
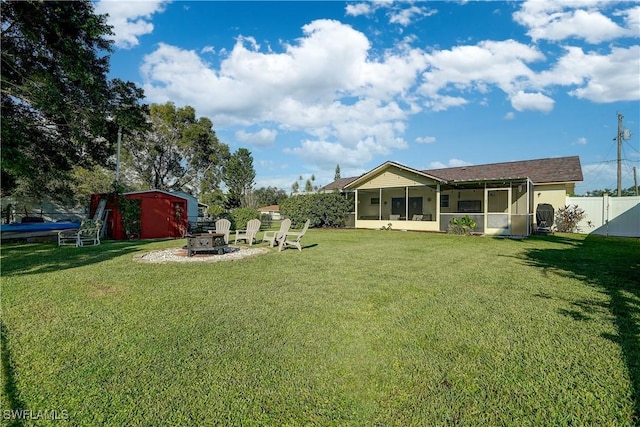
x=322 y=209
x=465 y=225
x=568 y=217
x=240 y=216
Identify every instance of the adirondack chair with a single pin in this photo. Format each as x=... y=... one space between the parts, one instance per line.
x=249 y=235
x=274 y=237
x=293 y=238
x=222 y=227
x=87 y=235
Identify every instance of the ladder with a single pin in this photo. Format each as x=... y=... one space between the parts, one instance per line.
x=100 y=210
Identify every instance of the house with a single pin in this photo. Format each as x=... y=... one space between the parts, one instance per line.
x=272 y=210
x=501 y=197
x=162 y=214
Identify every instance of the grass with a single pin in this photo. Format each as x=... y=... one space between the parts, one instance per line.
x=362 y=327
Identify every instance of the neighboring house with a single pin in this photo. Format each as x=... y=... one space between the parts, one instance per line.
x=273 y=211
x=501 y=197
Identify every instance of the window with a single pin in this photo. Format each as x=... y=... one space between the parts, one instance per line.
x=469 y=206
x=375 y=200
x=444 y=201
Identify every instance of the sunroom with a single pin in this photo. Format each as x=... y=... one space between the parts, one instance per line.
x=396 y=196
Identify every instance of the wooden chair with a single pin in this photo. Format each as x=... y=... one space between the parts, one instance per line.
x=87 y=235
x=223 y=226
x=253 y=226
x=274 y=237
x=293 y=238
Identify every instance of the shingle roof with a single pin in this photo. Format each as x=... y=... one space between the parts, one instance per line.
x=557 y=169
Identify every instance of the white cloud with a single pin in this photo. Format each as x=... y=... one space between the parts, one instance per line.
x=581 y=141
x=509 y=116
x=426 y=139
x=451 y=163
x=208 y=49
x=562 y=19
x=500 y=63
x=522 y=101
x=130 y=19
x=263 y=137
x=406 y=16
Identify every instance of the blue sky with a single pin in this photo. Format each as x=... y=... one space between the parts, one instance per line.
x=308 y=85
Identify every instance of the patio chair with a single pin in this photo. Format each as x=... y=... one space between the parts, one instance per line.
x=417 y=218
x=394 y=217
x=274 y=237
x=87 y=235
x=293 y=238
x=223 y=226
x=253 y=226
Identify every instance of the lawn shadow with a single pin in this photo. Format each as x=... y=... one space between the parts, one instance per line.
x=36 y=258
x=613 y=266
x=10 y=390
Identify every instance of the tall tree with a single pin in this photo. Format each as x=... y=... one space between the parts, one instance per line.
x=337 y=174
x=178 y=152
x=56 y=98
x=239 y=176
x=267 y=196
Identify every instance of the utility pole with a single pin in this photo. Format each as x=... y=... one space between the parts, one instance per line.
x=620 y=117
x=635 y=179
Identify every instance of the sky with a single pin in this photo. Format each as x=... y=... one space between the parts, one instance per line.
x=306 y=86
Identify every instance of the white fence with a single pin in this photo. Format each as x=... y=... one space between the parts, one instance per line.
x=609 y=216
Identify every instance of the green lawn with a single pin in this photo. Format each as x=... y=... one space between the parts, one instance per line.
x=361 y=328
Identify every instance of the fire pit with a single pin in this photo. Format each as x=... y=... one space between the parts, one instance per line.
x=205 y=242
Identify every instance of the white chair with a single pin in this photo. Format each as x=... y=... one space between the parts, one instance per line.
x=87 y=235
x=273 y=236
x=394 y=217
x=293 y=238
x=223 y=226
x=417 y=218
x=253 y=226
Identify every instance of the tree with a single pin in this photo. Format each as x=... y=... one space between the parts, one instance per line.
x=56 y=98
x=337 y=174
x=308 y=187
x=295 y=187
x=269 y=195
x=239 y=177
x=178 y=152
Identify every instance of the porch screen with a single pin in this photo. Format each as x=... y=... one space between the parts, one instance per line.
x=399 y=207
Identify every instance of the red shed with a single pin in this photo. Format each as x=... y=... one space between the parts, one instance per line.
x=163 y=214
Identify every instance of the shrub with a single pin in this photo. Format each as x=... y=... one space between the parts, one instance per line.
x=464 y=225
x=568 y=217
x=240 y=216
x=322 y=209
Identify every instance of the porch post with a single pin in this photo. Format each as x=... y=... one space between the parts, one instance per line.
x=486 y=208
x=406 y=203
x=380 y=204
x=438 y=206
x=356 y=202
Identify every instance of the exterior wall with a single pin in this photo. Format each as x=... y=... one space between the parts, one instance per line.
x=192 y=205
x=398 y=225
x=554 y=194
x=395 y=178
x=457 y=195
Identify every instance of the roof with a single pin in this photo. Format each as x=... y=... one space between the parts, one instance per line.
x=338 y=184
x=270 y=208
x=168 y=193
x=539 y=171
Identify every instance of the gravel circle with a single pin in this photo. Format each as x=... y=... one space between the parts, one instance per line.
x=231 y=253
